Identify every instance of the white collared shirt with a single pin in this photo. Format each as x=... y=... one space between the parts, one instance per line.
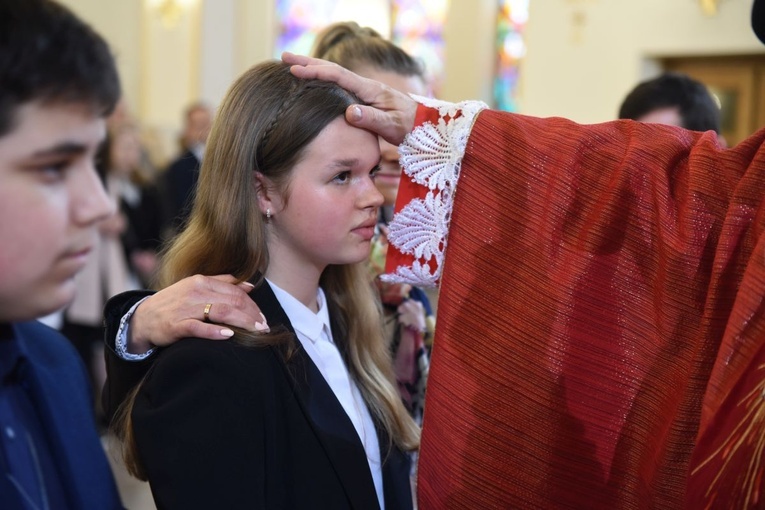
x=315 y=335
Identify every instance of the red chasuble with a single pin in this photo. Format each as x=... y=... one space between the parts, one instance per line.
x=601 y=328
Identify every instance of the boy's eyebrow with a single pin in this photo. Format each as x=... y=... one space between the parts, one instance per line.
x=62 y=149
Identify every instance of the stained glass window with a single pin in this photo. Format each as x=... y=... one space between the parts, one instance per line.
x=418 y=27
x=415 y=25
x=300 y=20
x=511 y=48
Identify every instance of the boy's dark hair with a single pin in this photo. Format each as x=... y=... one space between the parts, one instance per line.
x=696 y=106
x=47 y=54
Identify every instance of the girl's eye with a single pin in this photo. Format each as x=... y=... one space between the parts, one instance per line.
x=373 y=173
x=342 y=177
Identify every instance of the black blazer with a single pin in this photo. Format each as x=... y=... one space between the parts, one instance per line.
x=121 y=375
x=219 y=425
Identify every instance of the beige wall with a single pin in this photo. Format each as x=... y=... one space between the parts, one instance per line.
x=469 y=38
x=163 y=69
x=583 y=55
x=584 y=73
x=119 y=22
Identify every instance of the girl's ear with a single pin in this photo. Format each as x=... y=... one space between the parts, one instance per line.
x=265 y=194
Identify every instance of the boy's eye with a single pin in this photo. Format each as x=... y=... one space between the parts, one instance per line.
x=342 y=177
x=53 y=171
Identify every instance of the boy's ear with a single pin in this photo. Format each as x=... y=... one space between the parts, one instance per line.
x=264 y=192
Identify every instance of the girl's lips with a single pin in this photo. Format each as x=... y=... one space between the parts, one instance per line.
x=367 y=229
x=366 y=233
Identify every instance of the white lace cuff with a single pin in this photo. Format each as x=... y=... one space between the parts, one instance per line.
x=120 y=343
x=431 y=155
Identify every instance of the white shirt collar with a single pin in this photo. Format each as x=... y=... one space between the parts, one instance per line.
x=304 y=321
x=198 y=150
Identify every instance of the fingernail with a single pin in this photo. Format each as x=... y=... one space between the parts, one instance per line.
x=356 y=113
x=226 y=332
x=249 y=285
x=262 y=326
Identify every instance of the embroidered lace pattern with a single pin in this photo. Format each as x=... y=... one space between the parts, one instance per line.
x=431 y=155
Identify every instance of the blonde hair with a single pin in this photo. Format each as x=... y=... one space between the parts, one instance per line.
x=353 y=47
x=265 y=123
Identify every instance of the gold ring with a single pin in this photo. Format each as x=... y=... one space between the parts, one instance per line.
x=207 y=312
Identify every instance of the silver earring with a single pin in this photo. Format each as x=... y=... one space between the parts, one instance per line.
x=268 y=213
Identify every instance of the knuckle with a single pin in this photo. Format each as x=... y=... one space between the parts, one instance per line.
x=221 y=311
x=240 y=300
x=198 y=281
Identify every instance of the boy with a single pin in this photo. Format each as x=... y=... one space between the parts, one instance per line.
x=58 y=81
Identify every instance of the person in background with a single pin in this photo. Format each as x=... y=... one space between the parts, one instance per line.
x=139 y=202
x=180 y=179
x=673 y=99
x=58 y=82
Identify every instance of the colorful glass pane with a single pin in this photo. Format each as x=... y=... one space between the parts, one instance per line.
x=418 y=28
x=511 y=48
x=300 y=21
x=415 y=25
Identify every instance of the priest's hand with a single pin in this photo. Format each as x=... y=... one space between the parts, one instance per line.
x=390 y=113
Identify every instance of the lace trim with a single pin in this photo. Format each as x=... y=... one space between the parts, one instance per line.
x=431 y=155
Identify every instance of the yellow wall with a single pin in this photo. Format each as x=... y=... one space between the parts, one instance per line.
x=163 y=69
x=584 y=71
x=583 y=55
x=119 y=22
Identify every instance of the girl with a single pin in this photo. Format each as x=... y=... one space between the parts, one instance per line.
x=306 y=416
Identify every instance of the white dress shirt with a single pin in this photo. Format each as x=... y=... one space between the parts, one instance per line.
x=315 y=334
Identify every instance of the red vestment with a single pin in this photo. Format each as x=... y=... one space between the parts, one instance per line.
x=599 y=317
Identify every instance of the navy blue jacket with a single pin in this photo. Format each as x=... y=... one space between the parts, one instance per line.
x=60 y=393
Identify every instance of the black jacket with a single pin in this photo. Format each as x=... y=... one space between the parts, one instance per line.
x=219 y=425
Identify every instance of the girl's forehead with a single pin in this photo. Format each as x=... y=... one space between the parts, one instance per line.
x=340 y=145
